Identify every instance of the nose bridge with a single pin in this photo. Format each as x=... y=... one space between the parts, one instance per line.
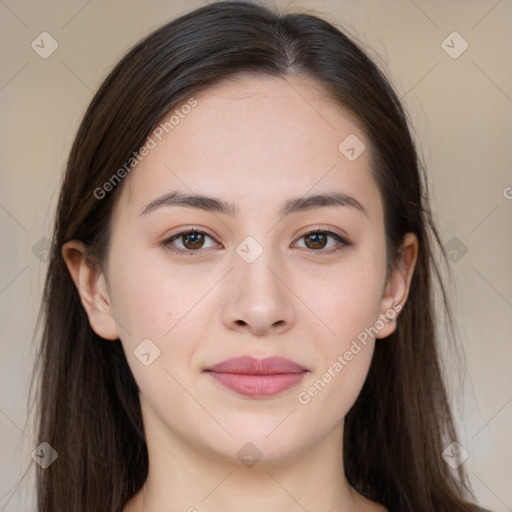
x=257 y=262
x=258 y=298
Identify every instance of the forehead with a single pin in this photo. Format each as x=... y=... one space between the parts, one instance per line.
x=251 y=138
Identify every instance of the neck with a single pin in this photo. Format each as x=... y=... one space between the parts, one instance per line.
x=250 y=476
x=186 y=479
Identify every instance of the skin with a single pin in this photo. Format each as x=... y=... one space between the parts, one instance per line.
x=256 y=142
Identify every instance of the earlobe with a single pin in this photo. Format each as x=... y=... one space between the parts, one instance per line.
x=398 y=285
x=91 y=287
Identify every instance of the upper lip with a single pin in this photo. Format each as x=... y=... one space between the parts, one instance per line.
x=249 y=365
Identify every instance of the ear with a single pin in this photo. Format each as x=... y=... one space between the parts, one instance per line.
x=91 y=286
x=397 y=287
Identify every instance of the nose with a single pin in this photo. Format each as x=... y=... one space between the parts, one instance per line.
x=259 y=300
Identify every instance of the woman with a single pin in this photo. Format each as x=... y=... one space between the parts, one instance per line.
x=239 y=309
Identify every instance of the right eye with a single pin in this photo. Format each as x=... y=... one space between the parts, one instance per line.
x=192 y=241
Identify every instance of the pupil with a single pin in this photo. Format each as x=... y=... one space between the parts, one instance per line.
x=197 y=241
x=317 y=238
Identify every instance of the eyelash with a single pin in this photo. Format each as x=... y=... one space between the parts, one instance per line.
x=342 y=242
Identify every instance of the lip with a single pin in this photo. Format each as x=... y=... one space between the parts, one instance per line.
x=258 y=378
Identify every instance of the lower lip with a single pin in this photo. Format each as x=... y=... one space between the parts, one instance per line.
x=258 y=386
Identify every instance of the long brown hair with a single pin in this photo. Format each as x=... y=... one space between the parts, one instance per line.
x=88 y=404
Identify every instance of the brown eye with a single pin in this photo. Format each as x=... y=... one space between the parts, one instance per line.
x=192 y=242
x=317 y=241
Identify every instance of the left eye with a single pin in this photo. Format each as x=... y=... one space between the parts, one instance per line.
x=193 y=240
x=317 y=239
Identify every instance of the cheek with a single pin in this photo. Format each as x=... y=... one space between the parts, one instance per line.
x=150 y=300
x=333 y=391
x=161 y=305
x=349 y=306
x=323 y=401
x=349 y=303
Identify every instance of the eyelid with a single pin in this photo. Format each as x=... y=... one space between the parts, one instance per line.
x=327 y=229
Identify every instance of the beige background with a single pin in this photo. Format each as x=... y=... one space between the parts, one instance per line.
x=461 y=110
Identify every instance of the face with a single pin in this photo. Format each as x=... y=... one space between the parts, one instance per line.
x=191 y=285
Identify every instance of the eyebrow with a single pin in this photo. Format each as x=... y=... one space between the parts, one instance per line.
x=294 y=205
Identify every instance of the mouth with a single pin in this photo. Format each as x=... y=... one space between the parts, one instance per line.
x=258 y=378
